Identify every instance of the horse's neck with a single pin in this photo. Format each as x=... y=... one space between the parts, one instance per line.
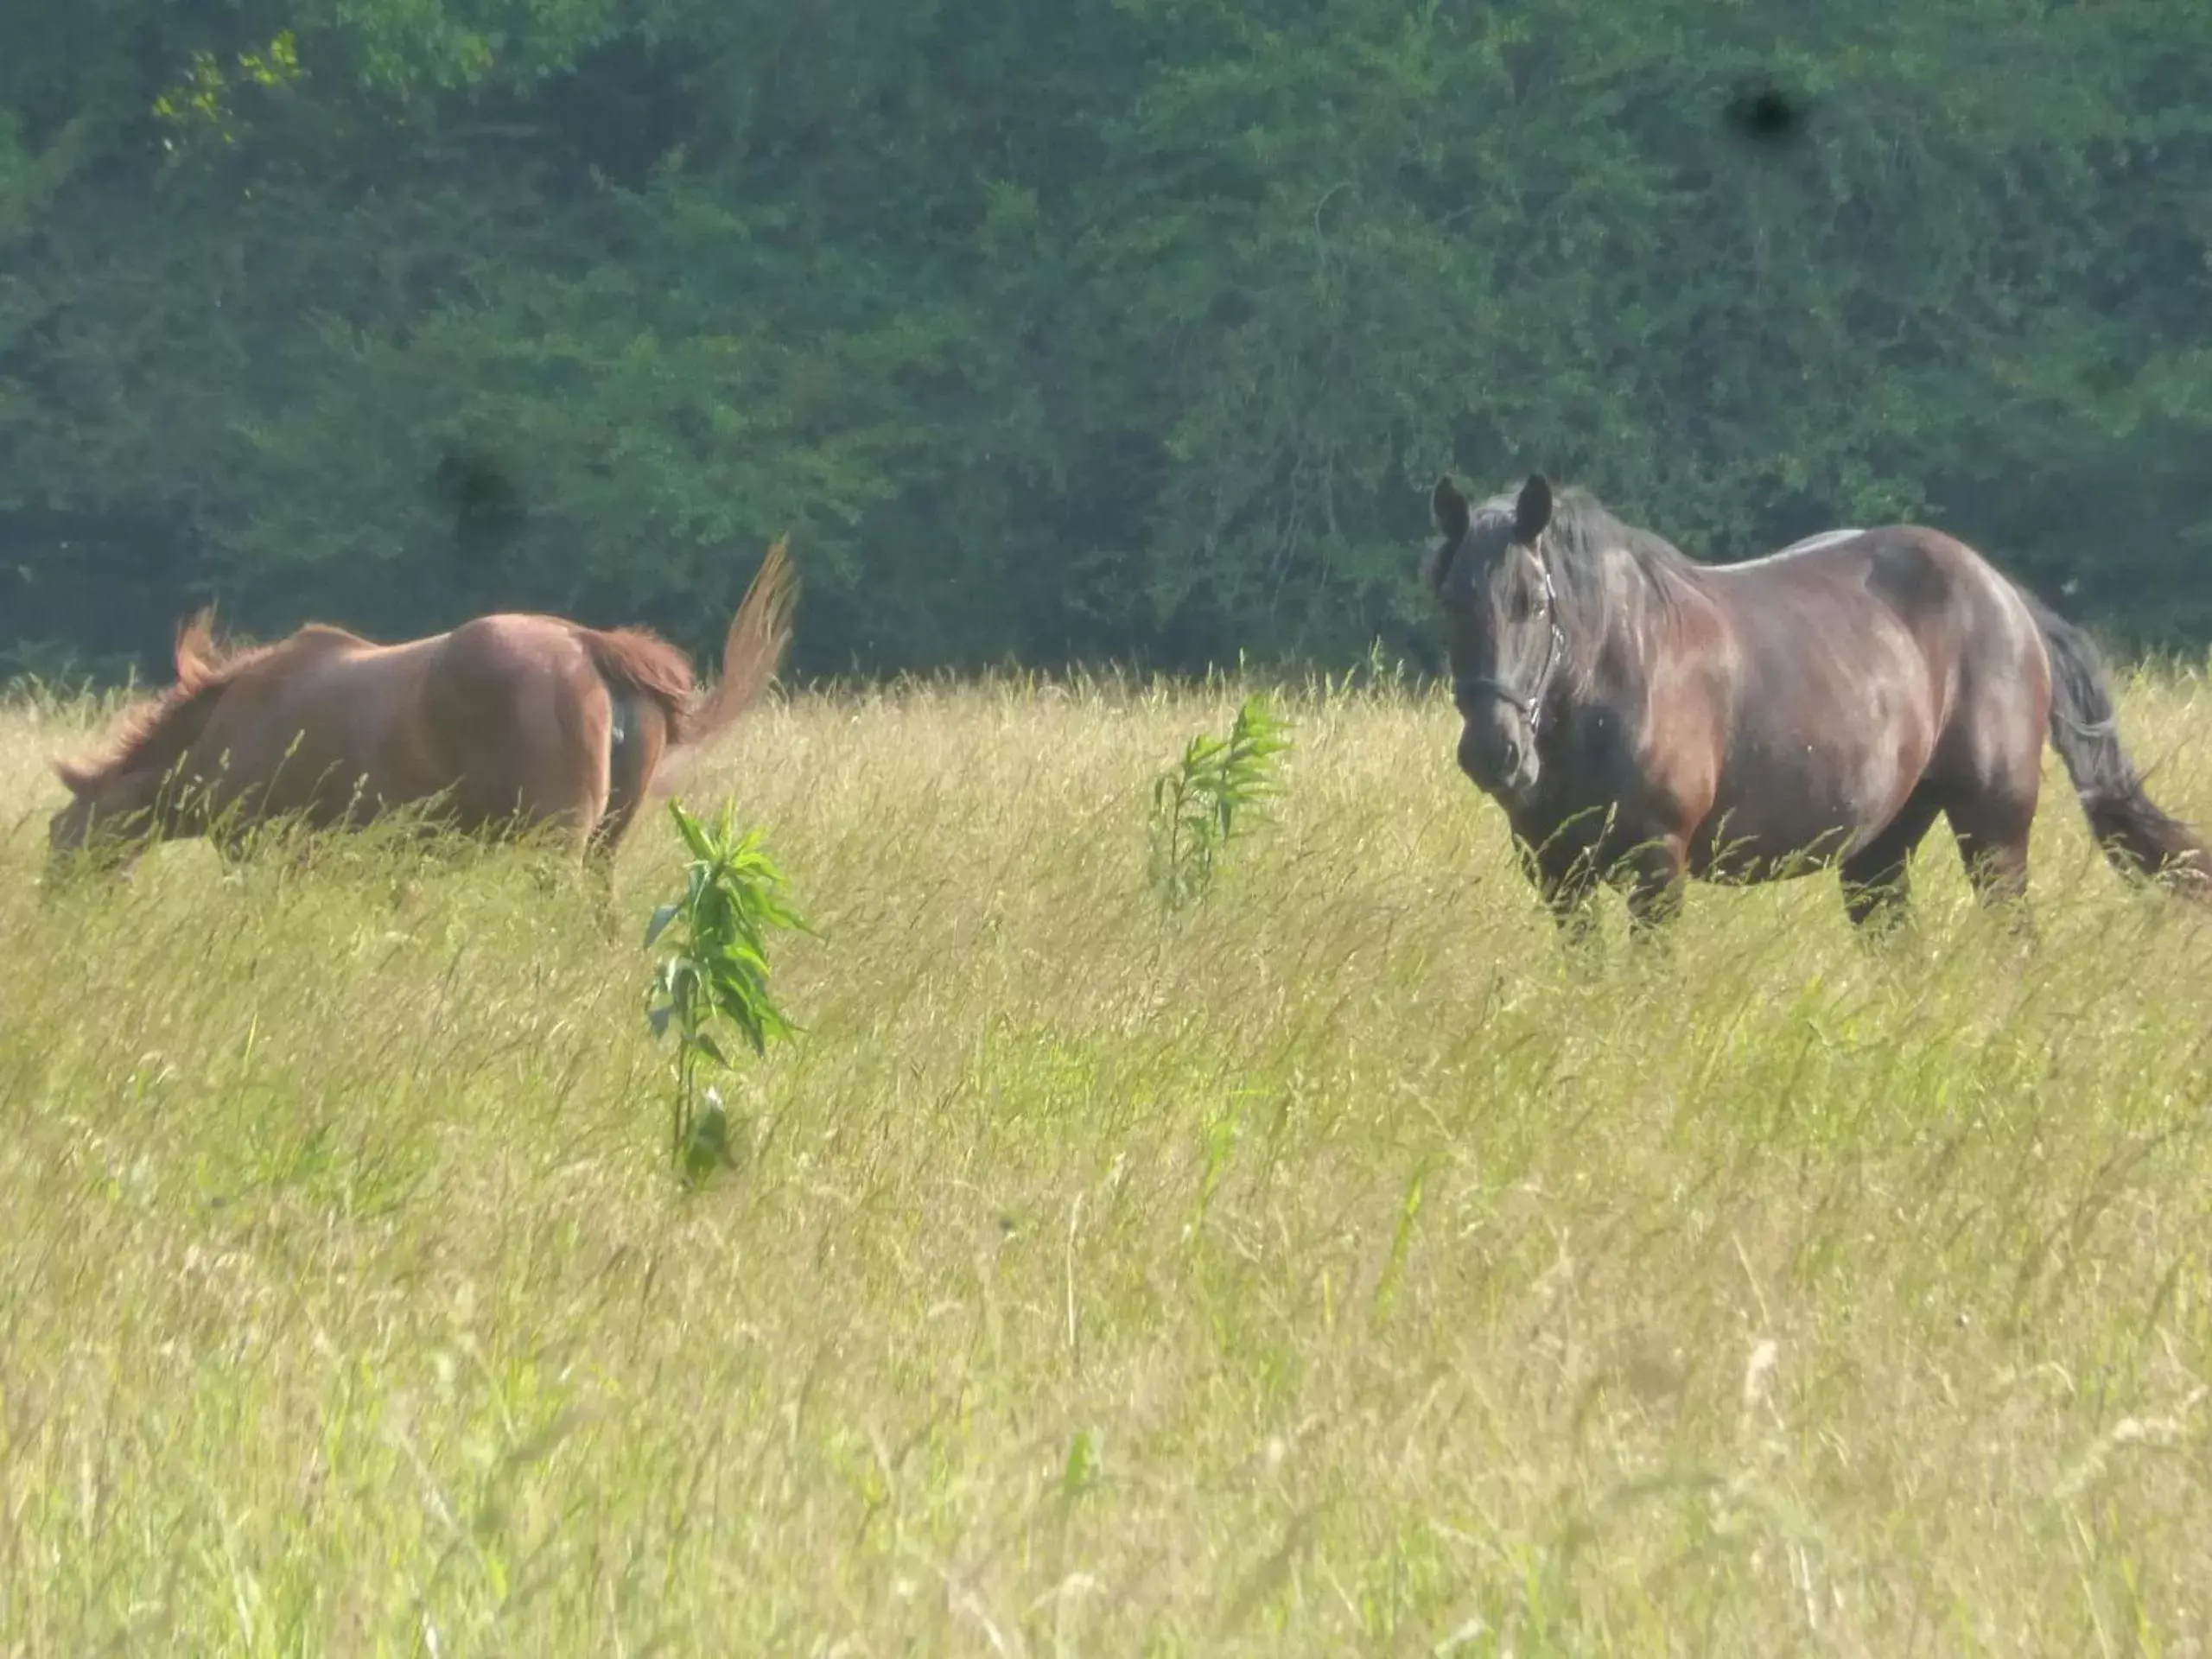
x=165 y=750
x=1622 y=620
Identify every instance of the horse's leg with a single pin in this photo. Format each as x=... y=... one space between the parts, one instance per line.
x=638 y=738
x=1657 y=875
x=632 y=742
x=1574 y=913
x=606 y=838
x=563 y=773
x=1876 y=882
x=599 y=877
x=1993 y=837
x=1566 y=877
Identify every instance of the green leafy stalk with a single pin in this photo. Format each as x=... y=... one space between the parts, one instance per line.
x=1209 y=797
x=712 y=978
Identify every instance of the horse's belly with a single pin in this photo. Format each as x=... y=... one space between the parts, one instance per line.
x=1777 y=818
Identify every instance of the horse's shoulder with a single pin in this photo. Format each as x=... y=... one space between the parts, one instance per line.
x=312 y=642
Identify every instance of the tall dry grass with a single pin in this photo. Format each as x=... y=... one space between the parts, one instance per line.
x=1333 y=1266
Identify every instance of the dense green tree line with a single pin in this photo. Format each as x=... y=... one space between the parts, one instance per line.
x=1130 y=328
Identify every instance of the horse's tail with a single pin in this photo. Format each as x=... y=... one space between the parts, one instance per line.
x=752 y=652
x=2137 y=836
x=754 y=649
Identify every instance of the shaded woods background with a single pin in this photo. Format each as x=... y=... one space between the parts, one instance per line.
x=1133 y=328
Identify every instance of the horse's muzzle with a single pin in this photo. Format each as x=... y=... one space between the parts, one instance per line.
x=1499 y=753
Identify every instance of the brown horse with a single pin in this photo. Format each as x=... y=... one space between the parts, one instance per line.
x=1643 y=717
x=507 y=723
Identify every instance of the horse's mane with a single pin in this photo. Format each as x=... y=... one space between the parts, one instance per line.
x=159 y=729
x=1582 y=531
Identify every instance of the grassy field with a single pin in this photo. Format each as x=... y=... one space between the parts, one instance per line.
x=1335 y=1266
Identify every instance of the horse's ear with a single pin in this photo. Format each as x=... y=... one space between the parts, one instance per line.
x=1532 y=510
x=1450 y=508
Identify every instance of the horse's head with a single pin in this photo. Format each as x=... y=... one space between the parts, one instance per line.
x=1501 y=619
x=106 y=820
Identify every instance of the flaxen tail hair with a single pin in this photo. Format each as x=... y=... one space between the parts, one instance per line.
x=2138 y=837
x=752 y=652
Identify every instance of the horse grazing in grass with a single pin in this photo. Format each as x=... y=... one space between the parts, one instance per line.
x=1643 y=718
x=508 y=723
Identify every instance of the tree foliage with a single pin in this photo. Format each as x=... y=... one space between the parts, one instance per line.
x=1130 y=328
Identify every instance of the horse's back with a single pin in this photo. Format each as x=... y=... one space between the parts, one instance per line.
x=1916 y=573
x=312 y=638
x=323 y=700
x=1813 y=543
x=1965 y=614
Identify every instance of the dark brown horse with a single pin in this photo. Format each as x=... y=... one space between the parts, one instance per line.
x=505 y=723
x=1643 y=717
